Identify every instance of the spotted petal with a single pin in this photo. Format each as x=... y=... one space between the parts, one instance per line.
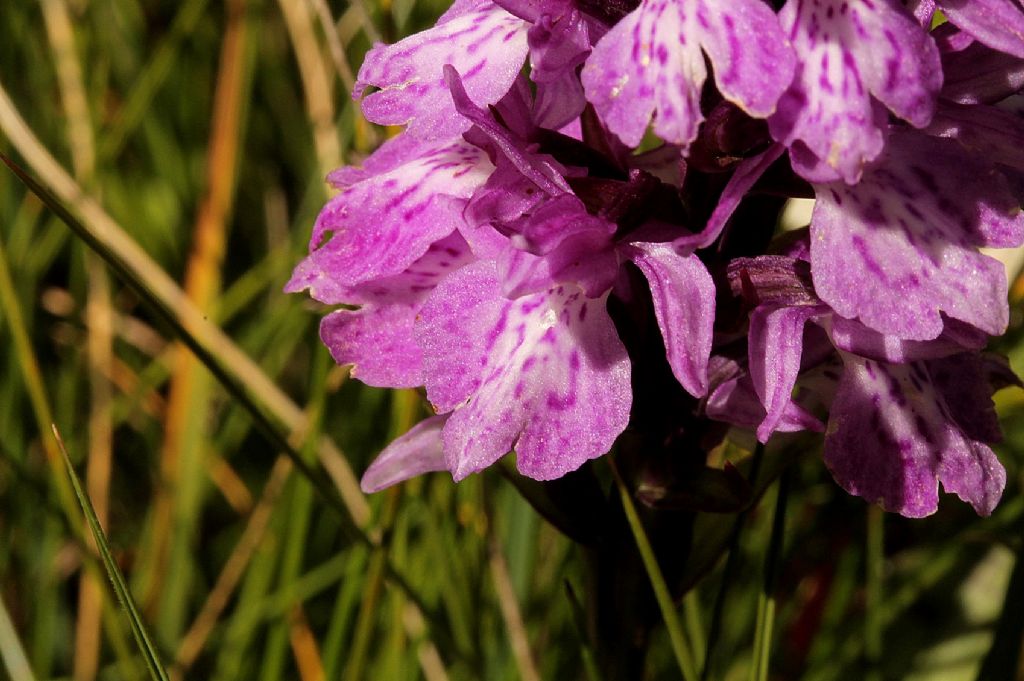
x=379 y=226
x=483 y=42
x=544 y=374
x=684 y=304
x=996 y=23
x=651 y=64
x=851 y=54
x=378 y=338
x=900 y=248
x=890 y=440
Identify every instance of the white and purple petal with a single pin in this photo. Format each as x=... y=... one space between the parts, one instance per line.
x=900 y=248
x=417 y=452
x=853 y=337
x=651 y=65
x=482 y=41
x=852 y=54
x=378 y=339
x=379 y=226
x=891 y=440
x=775 y=349
x=684 y=303
x=996 y=23
x=545 y=375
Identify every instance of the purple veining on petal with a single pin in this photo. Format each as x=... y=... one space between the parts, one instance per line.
x=975 y=73
x=852 y=54
x=381 y=225
x=733 y=400
x=651 y=65
x=378 y=339
x=986 y=130
x=996 y=23
x=743 y=178
x=684 y=304
x=891 y=440
x=417 y=452
x=900 y=248
x=855 y=338
x=484 y=42
x=775 y=348
x=545 y=374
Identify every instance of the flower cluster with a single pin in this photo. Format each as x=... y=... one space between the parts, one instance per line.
x=518 y=246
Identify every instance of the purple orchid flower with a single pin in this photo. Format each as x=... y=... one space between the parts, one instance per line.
x=495 y=252
x=904 y=417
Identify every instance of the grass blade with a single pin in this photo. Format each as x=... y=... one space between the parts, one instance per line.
x=11 y=650
x=766 y=599
x=873 y=592
x=124 y=597
x=684 y=658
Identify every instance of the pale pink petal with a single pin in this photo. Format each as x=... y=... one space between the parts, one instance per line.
x=891 y=441
x=996 y=23
x=900 y=248
x=854 y=337
x=545 y=374
x=483 y=42
x=775 y=348
x=417 y=452
x=651 y=65
x=378 y=227
x=684 y=304
x=852 y=54
x=378 y=339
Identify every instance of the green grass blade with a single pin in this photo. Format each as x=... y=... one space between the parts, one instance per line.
x=766 y=599
x=11 y=650
x=124 y=597
x=684 y=658
x=875 y=556
x=1003 y=660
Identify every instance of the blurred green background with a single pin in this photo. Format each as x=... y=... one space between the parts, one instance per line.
x=192 y=138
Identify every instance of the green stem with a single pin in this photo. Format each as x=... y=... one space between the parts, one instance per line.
x=873 y=626
x=766 y=599
x=684 y=658
x=729 y=571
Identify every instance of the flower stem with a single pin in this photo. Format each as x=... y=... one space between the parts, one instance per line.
x=873 y=591
x=766 y=599
x=729 y=571
x=684 y=658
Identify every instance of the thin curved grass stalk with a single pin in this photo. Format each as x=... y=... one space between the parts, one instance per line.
x=680 y=647
x=242 y=377
x=766 y=599
x=875 y=558
x=237 y=373
x=11 y=650
x=99 y=315
x=146 y=646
